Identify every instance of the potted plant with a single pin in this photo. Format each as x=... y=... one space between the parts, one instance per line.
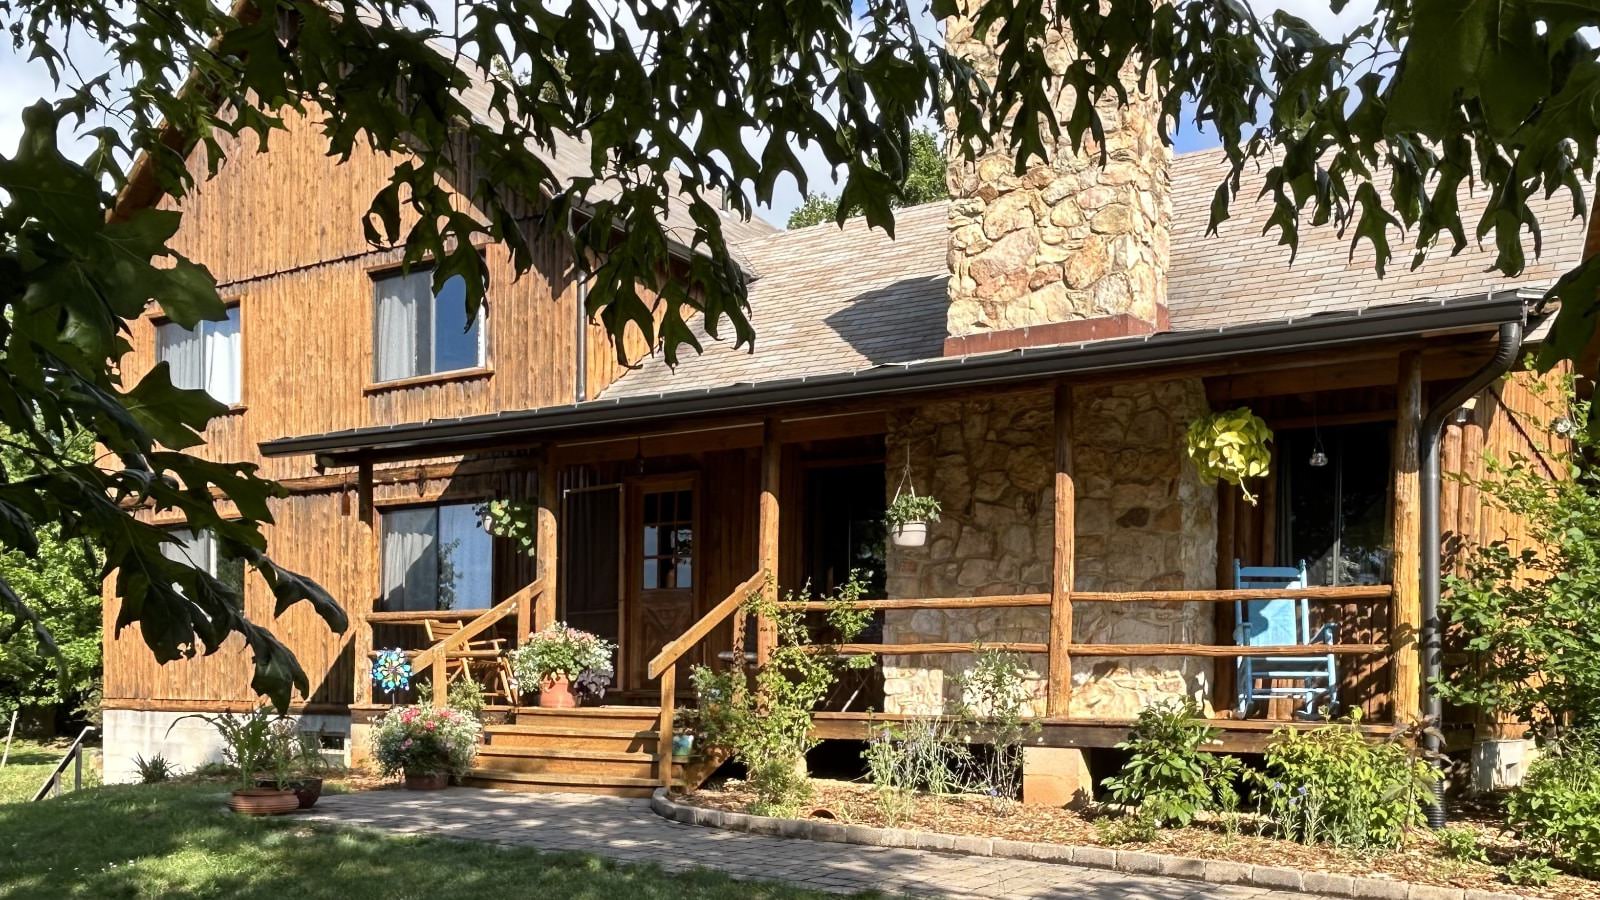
x=248 y=746
x=427 y=744
x=1230 y=446
x=685 y=721
x=296 y=762
x=908 y=516
x=560 y=661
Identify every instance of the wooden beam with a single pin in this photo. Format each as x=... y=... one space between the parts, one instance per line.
x=767 y=538
x=1344 y=593
x=996 y=602
x=1405 y=618
x=1063 y=578
x=669 y=699
x=1228 y=651
x=367 y=598
x=542 y=613
x=932 y=647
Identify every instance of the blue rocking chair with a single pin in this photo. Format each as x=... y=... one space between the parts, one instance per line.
x=1280 y=621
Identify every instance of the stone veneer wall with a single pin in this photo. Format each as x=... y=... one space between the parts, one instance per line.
x=1144 y=521
x=1066 y=240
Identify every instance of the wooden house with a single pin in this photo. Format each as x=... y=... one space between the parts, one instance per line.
x=1029 y=353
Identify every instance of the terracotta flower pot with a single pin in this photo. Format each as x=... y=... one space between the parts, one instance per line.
x=427 y=781
x=556 y=693
x=306 y=790
x=263 y=802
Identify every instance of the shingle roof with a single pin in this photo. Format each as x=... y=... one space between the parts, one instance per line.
x=829 y=300
x=569 y=158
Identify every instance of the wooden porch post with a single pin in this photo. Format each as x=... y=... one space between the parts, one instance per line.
x=367 y=510
x=1405 y=617
x=1059 y=693
x=771 y=471
x=545 y=543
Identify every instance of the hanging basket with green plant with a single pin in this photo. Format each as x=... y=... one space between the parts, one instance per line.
x=909 y=513
x=1230 y=446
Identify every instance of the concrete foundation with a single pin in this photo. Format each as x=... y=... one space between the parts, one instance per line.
x=1055 y=776
x=1499 y=765
x=185 y=742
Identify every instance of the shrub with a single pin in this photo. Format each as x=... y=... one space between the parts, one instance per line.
x=1557 y=808
x=925 y=753
x=154 y=770
x=1138 y=827
x=767 y=725
x=424 y=740
x=561 y=651
x=466 y=695
x=1168 y=776
x=1460 y=843
x=1531 y=871
x=1332 y=785
x=996 y=701
x=1529 y=616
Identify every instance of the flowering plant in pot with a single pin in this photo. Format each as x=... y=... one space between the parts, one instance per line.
x=248 y=746
x=685 y=722
x=908 y=516
x=427 y=744
x=560 y=661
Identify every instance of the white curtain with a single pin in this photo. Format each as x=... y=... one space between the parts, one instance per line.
x=403 y=346
x=184 y=353
x=410 y=559
x=222 y=358
x=466 y=558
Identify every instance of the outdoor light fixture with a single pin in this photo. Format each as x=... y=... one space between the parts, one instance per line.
x=1563 y=427
x=1319 y=459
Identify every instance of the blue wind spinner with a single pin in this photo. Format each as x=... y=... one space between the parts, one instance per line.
x=392 y=671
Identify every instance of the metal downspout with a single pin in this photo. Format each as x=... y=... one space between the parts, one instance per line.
x=1432 y=553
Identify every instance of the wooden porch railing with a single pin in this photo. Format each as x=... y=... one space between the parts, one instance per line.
x=435 y=659
x=74 y=756
x=665 y=666
x=1060 y=652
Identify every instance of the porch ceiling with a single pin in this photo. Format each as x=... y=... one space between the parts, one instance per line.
x=1412 y=320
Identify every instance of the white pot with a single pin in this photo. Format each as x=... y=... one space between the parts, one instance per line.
x=911 y=534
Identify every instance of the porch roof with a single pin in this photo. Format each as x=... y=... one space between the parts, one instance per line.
x=438 y=437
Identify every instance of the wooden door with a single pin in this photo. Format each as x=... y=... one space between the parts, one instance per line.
x=662 y=580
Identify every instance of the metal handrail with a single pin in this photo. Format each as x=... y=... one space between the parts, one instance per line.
x=74 y=755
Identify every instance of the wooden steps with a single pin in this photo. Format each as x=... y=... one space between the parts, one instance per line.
x=591 y=750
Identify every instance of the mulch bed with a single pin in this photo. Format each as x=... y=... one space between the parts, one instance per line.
x=1418 y=861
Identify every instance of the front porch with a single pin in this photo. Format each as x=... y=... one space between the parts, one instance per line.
x=1094 y=553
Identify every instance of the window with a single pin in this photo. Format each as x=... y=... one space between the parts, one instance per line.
x=420 y=333
x=668 y=539
x=200 y=551
x=205 y=357
x=1336 y=515
x=436 y=557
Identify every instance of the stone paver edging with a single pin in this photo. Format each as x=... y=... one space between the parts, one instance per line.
x=1132 y=862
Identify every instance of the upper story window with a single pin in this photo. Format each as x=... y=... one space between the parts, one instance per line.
x=422 y=333
x=206 y=357
x=199 y=550
x=436 y=557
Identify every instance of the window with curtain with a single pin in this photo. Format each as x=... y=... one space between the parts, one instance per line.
x=199 y=550
x=206 y=357
x=422 y=333
x=436 y=557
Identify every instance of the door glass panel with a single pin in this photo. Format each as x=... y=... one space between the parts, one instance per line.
x=668 y=540
x=1337 y=514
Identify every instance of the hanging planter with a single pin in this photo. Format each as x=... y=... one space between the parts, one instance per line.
x=1230 y=446
x=909 y=513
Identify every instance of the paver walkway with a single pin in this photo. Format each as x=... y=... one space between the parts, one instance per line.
x=627 y=831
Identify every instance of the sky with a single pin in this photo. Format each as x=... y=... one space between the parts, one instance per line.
x=24 y=82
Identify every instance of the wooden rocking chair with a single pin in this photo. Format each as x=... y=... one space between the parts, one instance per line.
x=486 y=663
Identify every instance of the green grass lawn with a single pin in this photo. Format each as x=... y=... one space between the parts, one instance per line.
x=30 y=763
x=178 y=841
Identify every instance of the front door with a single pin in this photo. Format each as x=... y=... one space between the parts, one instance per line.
x=662 y=574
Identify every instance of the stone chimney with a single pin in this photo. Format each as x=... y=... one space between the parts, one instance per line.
x=1069 y=250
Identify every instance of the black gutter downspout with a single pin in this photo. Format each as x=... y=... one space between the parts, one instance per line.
x=1432 y=554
